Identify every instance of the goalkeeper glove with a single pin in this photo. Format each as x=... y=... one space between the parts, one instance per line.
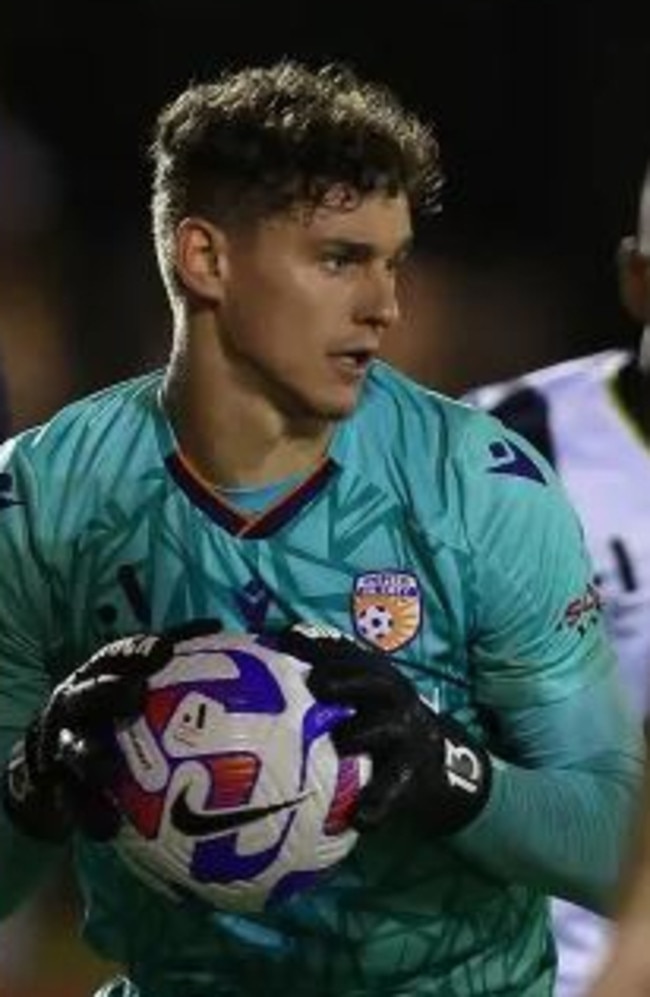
x=53 y=780
x=423 y=763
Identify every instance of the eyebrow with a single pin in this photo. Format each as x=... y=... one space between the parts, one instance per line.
x=361 y=251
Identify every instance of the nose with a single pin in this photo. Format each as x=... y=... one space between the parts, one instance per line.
x=379 y=303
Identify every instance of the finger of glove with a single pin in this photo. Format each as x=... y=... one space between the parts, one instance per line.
x=357 y=685
x=384 y=795
x=313 y=651
x=142 y=654
x=375 y=734
x=99 y=700
x=318 y=644
x=90 y=759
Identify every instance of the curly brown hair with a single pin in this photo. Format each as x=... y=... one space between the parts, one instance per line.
x=258 y=141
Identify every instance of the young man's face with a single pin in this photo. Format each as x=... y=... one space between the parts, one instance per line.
x=309 y=297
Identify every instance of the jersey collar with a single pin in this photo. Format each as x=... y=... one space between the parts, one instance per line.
x=238 y=522
x=247 y=525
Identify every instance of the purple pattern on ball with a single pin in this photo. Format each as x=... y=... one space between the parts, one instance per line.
x=319 y=719
x=254 y=690
x=217 y=860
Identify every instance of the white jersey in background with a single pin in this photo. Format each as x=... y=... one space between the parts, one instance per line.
x=571 y=412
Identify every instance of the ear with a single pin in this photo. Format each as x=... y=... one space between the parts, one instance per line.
x=201 y=258
x=634 y=280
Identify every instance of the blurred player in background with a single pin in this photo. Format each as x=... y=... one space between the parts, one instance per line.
x=590 y=417
x=627 y=968
x=275 y=472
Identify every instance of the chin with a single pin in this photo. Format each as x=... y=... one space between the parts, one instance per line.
x=323 y=404
x=336 y=406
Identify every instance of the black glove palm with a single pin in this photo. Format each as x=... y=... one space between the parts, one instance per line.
x=423 y=763
x=53 y=779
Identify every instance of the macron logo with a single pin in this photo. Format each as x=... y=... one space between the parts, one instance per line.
x=511 y=459
x=253 y=603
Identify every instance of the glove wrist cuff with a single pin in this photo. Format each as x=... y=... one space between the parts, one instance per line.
x=463 y=780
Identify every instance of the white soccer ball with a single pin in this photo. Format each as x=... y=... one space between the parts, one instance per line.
x=229 y=783
x=375 y=622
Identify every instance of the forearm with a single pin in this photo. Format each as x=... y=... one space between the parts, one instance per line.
x=562 y=831
x=24 y=863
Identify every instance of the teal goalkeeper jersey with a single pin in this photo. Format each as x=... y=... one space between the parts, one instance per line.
x=424 y=512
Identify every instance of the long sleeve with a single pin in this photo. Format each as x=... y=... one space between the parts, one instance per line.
x=25 y=644
x=557 y=819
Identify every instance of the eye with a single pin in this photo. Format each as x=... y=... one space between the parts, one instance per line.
x=336 y=260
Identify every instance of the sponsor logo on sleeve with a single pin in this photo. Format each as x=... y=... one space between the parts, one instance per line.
x=582 y=612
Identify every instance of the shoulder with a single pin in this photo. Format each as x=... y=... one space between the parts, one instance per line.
x=420 y=423
x=450 y=462
x=499 y=488
x=407 y=414
x=91 y=426
x=86 y=444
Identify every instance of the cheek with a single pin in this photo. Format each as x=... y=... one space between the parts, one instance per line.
x=305 y=312
x=285 y=312
x=323 y=306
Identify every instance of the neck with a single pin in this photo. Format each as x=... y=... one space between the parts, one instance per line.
x=229 y=430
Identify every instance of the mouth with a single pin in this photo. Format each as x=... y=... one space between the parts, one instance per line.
x=353 y=362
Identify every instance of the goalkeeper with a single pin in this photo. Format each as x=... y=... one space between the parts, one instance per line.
x=276 y=471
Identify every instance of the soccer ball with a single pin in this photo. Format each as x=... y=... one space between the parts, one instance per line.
x=229 y=783
x=375 y=622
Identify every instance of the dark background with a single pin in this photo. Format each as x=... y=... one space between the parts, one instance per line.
x=542 y=108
